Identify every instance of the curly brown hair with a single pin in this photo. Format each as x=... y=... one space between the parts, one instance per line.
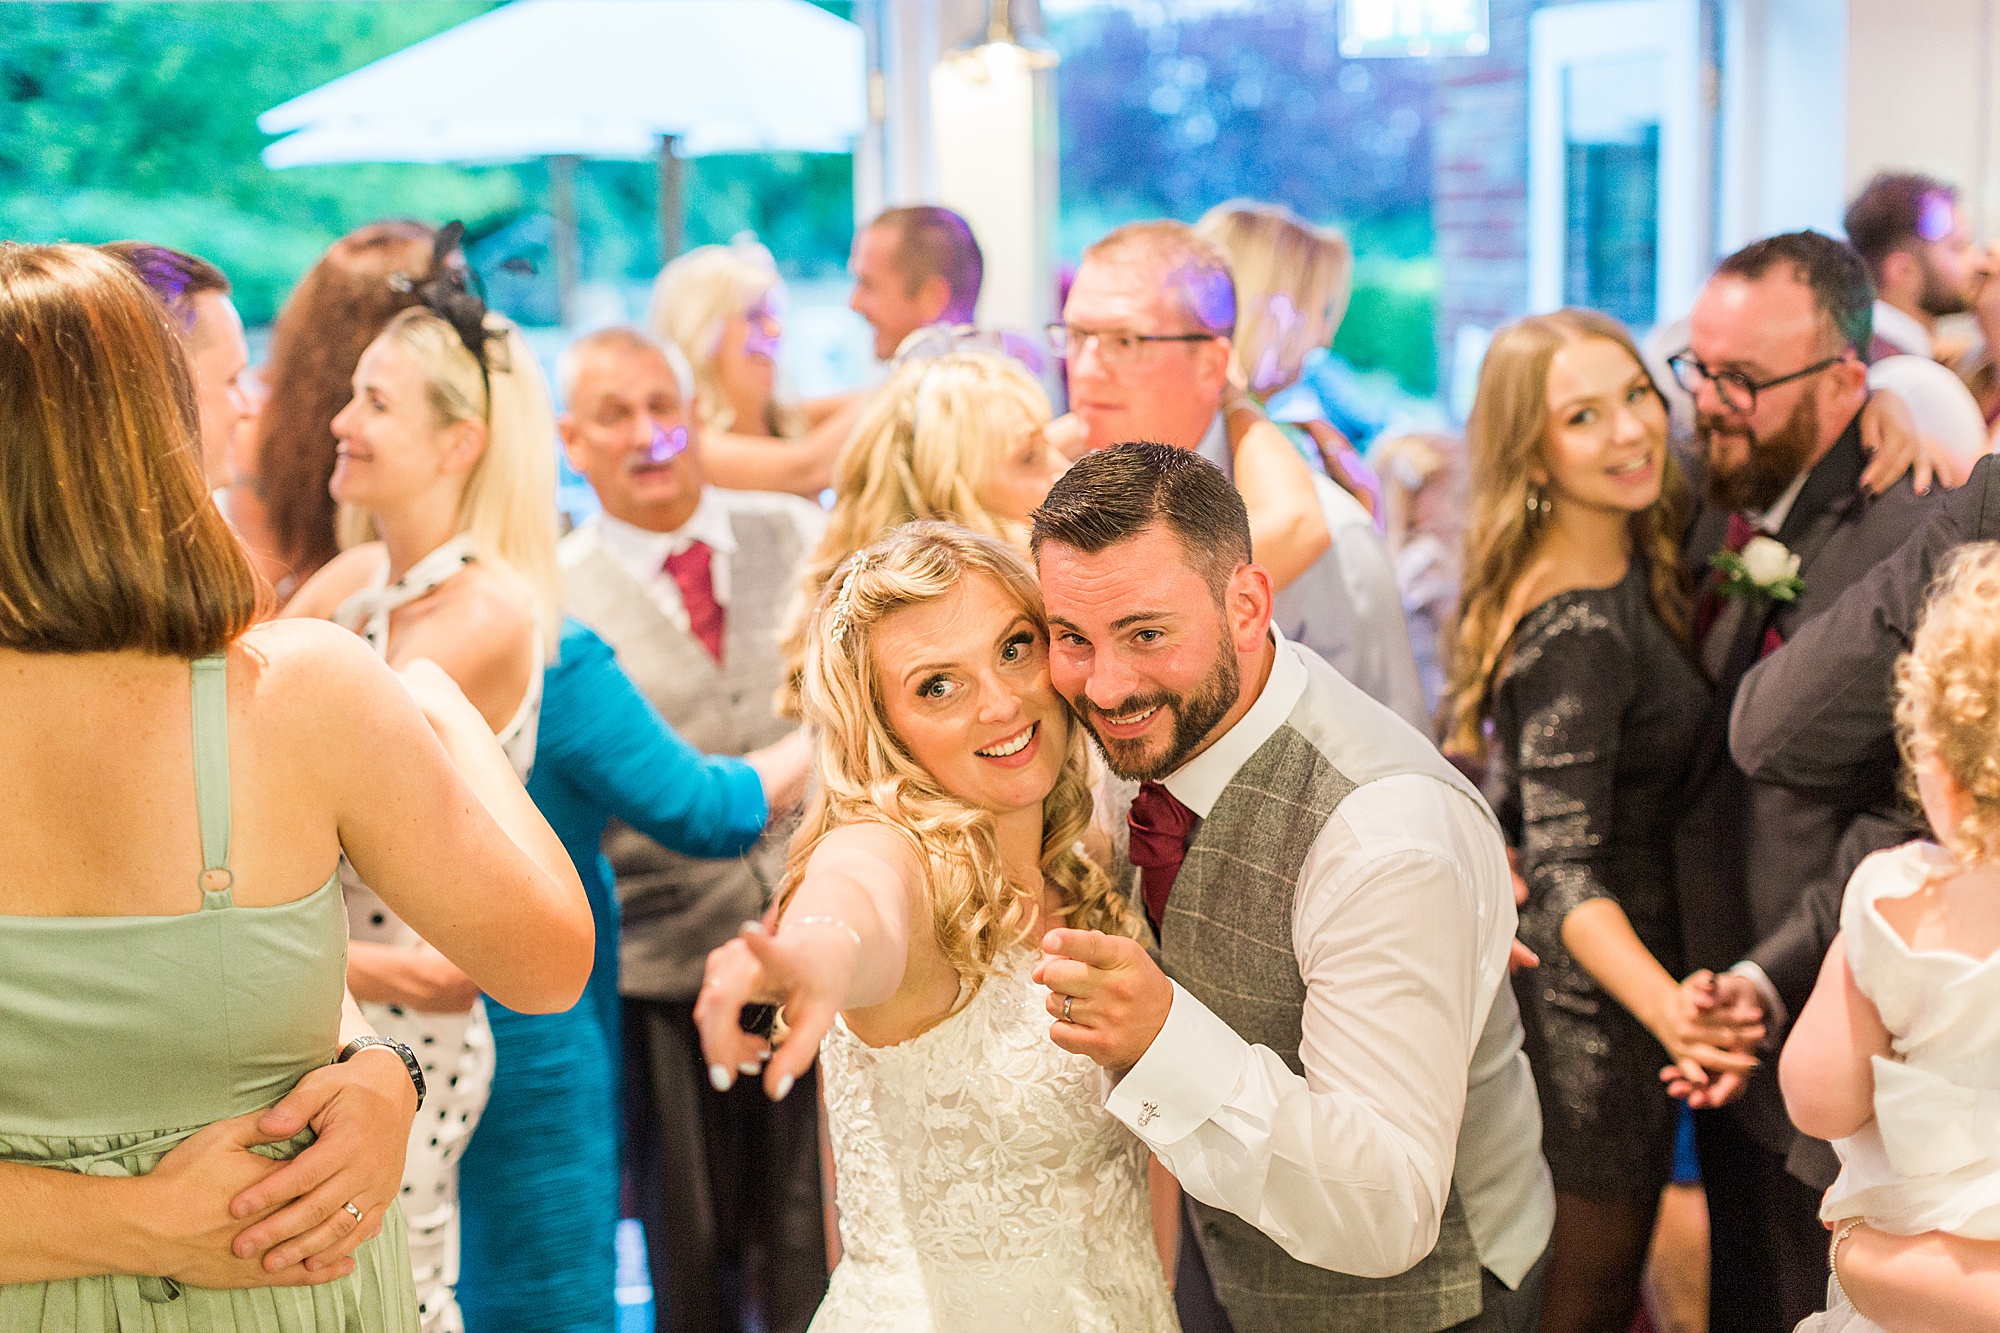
x=1504 y=437
x=343 y=301
x=1948 y=694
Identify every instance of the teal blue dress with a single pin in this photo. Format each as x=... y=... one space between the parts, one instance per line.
x=538 y=1186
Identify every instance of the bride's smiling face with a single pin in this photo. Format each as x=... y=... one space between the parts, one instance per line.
x=965 y=686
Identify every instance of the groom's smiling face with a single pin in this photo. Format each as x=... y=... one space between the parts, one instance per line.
x=1140 y=648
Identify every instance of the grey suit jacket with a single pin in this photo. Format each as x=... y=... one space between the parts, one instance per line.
x=1749 y=848
x=1819 y=714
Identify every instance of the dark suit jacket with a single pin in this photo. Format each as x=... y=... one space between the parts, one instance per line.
x=1748 y=849
x=1818 y=715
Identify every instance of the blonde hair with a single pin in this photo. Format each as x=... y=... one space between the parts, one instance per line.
x=108 y=537
x=926 y=444
x=509 y=505
x=1948 y=694
x=1293 y=281
x=694 y=298
x=1410 y=464
x=865 y=774
x=1504 y=437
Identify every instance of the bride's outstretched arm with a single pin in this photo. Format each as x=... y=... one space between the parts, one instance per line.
x=843 y=943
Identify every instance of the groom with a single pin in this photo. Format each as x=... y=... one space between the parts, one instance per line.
x=1331 y=1062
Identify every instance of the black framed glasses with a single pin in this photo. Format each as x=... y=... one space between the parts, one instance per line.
x=1737 y=391
x=1118 y=347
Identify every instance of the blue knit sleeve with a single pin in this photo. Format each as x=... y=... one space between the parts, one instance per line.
x=614 y=746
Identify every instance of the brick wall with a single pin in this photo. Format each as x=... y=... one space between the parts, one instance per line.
x=1479 y=182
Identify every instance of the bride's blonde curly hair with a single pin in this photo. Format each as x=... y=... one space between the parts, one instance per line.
x=1948 y=694
x=866 y=774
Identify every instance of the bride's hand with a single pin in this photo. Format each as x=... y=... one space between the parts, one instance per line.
x=806 y=970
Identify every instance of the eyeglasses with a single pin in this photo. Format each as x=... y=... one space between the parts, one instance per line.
x=1117 y=347
x=1737 y=391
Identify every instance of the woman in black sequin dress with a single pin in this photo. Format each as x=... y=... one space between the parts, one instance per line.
x=1571 y=679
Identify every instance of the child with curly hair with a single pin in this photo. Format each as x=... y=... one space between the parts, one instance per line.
x=1896 y=1057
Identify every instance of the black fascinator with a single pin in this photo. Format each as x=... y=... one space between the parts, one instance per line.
x=450 y=291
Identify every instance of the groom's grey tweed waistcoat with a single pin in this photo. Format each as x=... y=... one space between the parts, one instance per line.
x=676 y=908
x=1227 y=937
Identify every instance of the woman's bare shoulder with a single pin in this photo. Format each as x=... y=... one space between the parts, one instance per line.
x=311 y=672
x=336 y=581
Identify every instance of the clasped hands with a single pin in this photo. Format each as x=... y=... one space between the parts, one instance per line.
x=1711 y=1029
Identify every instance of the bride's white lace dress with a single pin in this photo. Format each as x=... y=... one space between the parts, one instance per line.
x=981 y=1184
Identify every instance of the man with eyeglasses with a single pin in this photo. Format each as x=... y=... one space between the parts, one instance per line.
x=1774 y=364
x=1146 y=333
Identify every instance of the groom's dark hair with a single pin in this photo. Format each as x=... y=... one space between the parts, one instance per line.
x=1114 y=494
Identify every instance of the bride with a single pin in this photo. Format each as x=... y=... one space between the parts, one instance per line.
x=981 y=1184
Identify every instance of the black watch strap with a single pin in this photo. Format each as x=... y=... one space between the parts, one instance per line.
x=409 y=1060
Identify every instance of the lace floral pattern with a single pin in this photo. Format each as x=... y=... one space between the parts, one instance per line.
x=981 y=1184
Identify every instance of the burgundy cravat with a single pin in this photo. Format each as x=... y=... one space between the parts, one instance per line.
x=692 y=575
x=1160 y=828
x=1709 y=606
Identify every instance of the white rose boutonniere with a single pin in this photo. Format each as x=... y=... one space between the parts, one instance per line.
x=1766 y=569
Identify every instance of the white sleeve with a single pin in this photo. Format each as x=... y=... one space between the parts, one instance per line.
x=1348 y=1167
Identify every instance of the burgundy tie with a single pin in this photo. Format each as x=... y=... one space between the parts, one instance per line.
x=1160 y=828
x=692 y=575
x=1709 y=606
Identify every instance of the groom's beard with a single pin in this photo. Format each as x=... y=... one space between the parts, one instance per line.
x=1770 y=465
x=1141 y=758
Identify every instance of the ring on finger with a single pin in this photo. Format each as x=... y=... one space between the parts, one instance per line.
x=351 y=1211
x=1067 y=1001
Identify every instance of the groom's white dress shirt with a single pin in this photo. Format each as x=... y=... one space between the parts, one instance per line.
x=1402 y=925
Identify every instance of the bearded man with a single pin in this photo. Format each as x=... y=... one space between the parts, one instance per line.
x=1775 y=365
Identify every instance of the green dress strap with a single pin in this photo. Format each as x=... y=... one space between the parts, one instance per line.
x=211 y=778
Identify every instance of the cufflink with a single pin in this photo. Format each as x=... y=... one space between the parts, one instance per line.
x=1147 y=1110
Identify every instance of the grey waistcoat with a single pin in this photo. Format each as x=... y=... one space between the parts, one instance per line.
x=1227 y=937
x=676 y=908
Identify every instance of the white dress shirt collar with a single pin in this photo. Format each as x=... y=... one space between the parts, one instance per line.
x=642 y=553
x=1774 y=518
x=1903 y=331
x=1198 y=783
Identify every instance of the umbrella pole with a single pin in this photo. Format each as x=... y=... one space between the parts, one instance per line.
x=672 y=205
x=562 y=206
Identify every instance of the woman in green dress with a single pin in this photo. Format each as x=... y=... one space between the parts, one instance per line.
x=179 y=787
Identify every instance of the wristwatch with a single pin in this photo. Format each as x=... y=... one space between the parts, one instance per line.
x=409 y=1059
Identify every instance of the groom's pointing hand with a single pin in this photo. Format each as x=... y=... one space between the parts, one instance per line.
x=1117 y=996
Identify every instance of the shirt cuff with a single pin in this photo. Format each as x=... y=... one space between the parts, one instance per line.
x=1184 y=1077
x=1775 y=1016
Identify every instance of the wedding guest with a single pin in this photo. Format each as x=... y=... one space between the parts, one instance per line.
x=1147 y=335
x=1774 y=366
x=913 y=267
x=539 y=1181
x=1423 y=510
x=722 y=306
x=179 y=1000
x=1887 y=1058
x=196 y=293
x=960 y=439
x=1331 y=1061
x=686 y=582
x=1572 y=645
x=447 y=478
x=1915 y=239
x=1293 y=281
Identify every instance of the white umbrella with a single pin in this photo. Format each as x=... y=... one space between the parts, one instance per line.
x=566 y=79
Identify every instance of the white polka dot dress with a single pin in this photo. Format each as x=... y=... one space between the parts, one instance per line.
x=455 y=1050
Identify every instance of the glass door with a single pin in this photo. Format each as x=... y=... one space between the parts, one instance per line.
x=1615 y=202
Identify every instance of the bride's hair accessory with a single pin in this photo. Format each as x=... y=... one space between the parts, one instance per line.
x=843 y=602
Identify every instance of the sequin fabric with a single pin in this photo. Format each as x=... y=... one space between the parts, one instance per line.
x=1596 y=715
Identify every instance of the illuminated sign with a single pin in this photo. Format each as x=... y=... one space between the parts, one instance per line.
x=1413 y=28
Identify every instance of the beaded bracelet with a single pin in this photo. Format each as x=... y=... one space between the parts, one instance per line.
x=833 y=921
x=1833 y=1255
